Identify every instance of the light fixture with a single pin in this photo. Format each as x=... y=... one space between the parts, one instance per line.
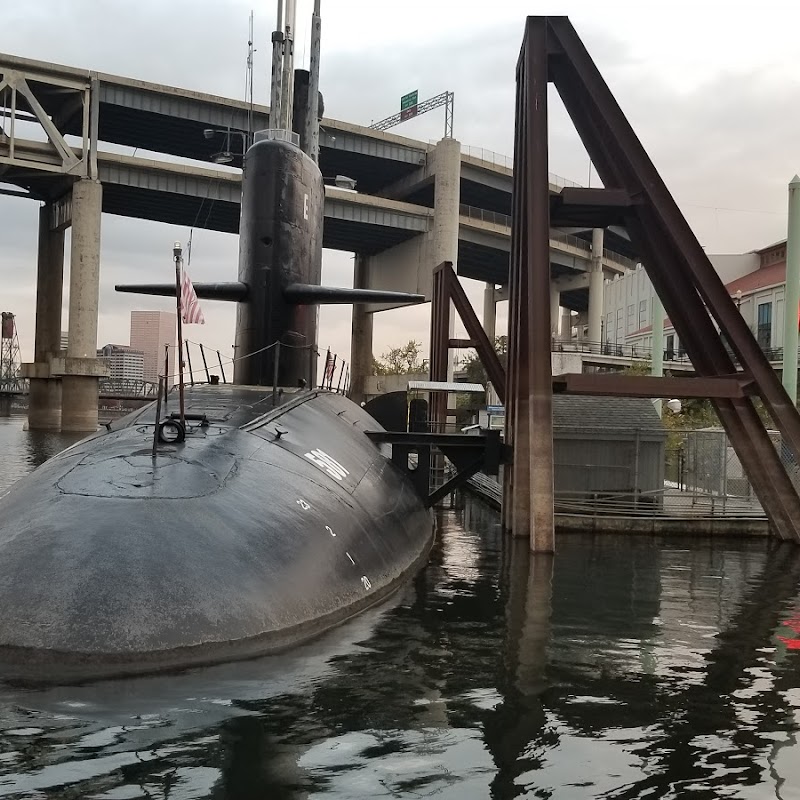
x=222 y=158
x=209 y=133
x=343 y=182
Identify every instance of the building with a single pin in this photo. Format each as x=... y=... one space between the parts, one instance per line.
x=150 y=332
x=755 y=281
x=591 y=454
x=124 y=363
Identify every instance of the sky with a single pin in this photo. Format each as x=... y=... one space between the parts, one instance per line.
x=711 y=88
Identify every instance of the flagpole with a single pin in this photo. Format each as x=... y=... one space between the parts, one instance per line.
x=176 y=252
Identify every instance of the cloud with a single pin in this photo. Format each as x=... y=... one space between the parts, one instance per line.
x=723 y=137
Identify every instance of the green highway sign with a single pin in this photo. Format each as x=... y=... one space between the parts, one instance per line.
x=408 y=100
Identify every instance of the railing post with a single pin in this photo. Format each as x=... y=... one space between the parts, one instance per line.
x=205 y=365
x=189 y=362
x=275 y=363
x=221 y=368
x=158 y=415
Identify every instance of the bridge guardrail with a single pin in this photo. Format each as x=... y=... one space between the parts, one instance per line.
x=501 y=160
x=496 y=218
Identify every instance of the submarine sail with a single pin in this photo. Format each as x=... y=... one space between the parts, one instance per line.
x=273 y=518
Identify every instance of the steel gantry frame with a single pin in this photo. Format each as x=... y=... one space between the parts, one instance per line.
x=693 y=294
x=446 y=99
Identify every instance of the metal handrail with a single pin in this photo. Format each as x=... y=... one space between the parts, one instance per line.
x=634 y=352
x=697 y=505
x=499 y=159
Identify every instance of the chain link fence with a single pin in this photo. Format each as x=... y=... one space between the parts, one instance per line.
x=690 y=473
x=647 y=472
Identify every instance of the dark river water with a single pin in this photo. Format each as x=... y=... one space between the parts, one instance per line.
x=620 y=668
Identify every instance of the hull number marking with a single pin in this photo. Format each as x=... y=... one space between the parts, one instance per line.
x=330 y=465
x=330 y=531
x=302 y=503
x=365 y=582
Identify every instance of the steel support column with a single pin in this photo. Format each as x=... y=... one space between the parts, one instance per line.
x=691 y=291
x=536 y=263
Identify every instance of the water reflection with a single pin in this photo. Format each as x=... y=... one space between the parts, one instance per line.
x=25 y=450
x=620 y=668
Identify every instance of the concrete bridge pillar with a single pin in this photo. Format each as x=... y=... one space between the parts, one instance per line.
x=81 y=368
x=44 y=401
x=361 y=336
x=490 y=311
x=596 y=287
x=566 y=324
x=446 y=167
x=555 y=300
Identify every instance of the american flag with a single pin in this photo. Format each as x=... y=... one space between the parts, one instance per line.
x=190 y=306
x=330 y=365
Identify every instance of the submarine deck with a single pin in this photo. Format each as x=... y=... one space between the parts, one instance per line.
x=264 y=527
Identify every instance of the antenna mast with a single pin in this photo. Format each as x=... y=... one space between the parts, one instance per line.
x=249 y=83
x=287 y=90
x=275 y=98
x=311 y=137
x=282 y=85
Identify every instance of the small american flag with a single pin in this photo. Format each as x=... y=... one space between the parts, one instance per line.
x=330 y=365
x=190 y=305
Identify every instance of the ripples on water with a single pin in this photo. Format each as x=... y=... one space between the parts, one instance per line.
x=623 y=668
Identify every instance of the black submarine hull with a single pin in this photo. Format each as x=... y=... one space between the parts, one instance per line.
x=261 y=530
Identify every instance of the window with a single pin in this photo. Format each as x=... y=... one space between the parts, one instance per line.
x=631 y=318
x=642 y=314
x=764 y=330
x=669 y=352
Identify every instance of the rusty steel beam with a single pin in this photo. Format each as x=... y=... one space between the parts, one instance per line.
x=447 y=289
x=580 y=196
x=440 y=335
x=611 y=385
x=681 y=273
x=516 y=507
x=594 y=208
x=536 y=263
x=705 y=279
x=485 y=348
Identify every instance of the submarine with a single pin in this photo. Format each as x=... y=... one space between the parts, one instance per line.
x=257 y=516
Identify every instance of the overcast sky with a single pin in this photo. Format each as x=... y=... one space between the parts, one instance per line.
x=712 y=89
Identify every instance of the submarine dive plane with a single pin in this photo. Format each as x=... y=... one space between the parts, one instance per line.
x=269 y=518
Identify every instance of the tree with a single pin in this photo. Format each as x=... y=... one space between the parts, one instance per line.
x=401 y=360
x=474 y=370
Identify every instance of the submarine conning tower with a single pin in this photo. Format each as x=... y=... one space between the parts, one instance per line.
x=280 y=233
x=280 y=243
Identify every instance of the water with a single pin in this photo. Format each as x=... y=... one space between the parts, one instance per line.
x=623 y=668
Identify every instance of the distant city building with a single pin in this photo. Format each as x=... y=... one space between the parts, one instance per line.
x=754 y=280
x=150 y=332
x=124 y=363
